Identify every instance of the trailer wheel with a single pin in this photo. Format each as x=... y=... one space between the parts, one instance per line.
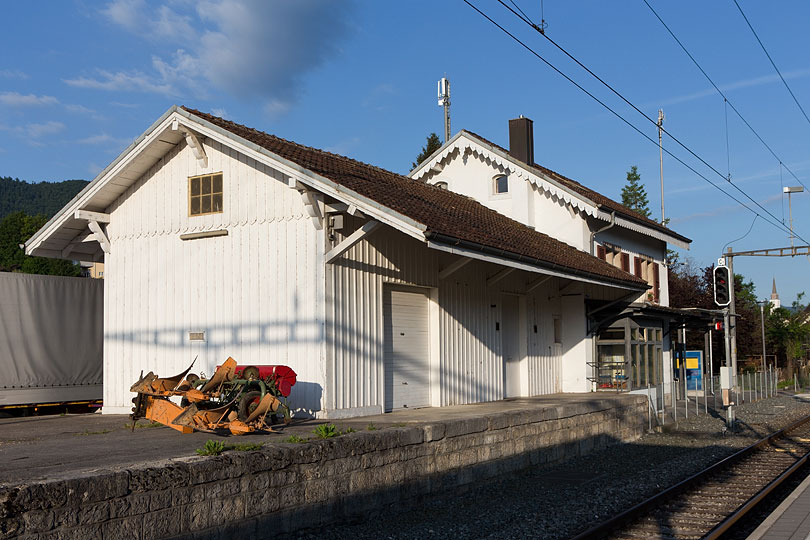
x=248 y=404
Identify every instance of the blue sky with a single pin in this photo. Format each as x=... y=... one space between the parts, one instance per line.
x=79 y=80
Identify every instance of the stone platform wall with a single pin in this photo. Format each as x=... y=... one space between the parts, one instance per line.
x=288 y=487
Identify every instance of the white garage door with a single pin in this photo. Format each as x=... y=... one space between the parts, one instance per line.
x=406 y=349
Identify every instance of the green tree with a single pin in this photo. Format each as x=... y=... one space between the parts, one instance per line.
x=634 y=196
x=433 y=143
x=39 y=198
x=786 y=331
x=691 y=286
x=15 y=229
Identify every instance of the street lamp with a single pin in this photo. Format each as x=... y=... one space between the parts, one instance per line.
x=789 y=190
x=762 y=314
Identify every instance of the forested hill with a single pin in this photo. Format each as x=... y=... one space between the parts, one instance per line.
x=43 y=198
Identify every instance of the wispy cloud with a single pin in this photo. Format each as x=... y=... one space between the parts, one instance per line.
x=94 y=169
x=723 y=210
x=47 y=128
x=251 y=49
x=730 y=87
x=377 y=94
x=12 y=74
x=81 y=109
x=125 y=105
x=14 y=99
x=772 y=174
x=345 y=147
x=222 y=113
x=120 y=80
x=103 y=138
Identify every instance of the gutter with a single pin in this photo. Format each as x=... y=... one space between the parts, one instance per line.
x=473 y=246
x=606 y=227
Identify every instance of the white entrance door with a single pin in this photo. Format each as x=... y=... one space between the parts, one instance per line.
x=510 y=344
x=407 y=378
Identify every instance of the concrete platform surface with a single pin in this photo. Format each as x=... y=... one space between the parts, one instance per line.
x=790 y=520
x=43 y=448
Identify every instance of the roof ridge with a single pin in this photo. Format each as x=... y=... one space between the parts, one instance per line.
x=633 y=214
x=288 y=141
x=441 y=211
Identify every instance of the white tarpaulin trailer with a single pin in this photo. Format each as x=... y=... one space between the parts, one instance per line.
x=51 y=339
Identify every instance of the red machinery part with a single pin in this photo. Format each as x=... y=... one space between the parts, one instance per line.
x=284 y=375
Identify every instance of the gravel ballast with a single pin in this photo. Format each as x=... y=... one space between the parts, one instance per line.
x=560 y=501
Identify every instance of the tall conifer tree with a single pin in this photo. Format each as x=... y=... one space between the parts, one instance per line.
x=634 y=196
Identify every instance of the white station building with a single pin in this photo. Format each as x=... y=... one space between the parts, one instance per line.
x=479 y=277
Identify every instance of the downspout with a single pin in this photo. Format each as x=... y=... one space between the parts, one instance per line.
x=606 y=227
x=594 y=351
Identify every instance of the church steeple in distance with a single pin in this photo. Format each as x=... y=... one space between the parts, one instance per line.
x=775 y=302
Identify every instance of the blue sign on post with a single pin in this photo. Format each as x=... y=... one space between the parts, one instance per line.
x=694 y=370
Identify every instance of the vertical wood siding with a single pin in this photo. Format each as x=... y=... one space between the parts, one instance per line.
x=255 y=292
x=470 y=358
x=355 y=295
x=544 y=356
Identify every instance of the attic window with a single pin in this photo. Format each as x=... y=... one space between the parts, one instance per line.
x=441 y=185
x=500 y=184
x=205 y=194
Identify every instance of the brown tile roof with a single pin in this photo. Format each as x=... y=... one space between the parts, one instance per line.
x=590 y=194
x=442 y=212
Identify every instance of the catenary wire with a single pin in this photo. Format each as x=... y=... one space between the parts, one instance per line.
x=620 y=117
x=723 y=95
x=776 y=222
x=772 y=62
x=743 y=236
x=639 y=111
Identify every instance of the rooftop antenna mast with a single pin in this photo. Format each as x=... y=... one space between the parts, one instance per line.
x=661 y=160
x=444 y=101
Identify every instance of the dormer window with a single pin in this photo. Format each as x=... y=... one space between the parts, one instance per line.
x=500 y=184
x=441 y=185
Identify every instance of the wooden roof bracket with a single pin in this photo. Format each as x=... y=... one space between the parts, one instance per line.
x=93 y=220
x=193 y=142
x=363 y=232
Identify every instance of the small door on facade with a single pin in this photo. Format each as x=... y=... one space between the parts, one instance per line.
x=510 y=344
x=407 y=375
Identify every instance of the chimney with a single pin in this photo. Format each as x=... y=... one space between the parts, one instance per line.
x=521 y=140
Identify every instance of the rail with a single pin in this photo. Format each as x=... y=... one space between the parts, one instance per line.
x=613 y=525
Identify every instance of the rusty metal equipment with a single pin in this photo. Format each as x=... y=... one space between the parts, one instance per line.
x=236 y=399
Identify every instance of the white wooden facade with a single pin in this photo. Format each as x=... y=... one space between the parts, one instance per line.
x=469 y=165
x=255 y=281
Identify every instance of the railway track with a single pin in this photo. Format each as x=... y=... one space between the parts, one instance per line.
x=709 y=503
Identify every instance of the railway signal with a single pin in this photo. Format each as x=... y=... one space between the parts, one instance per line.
x=722 y=288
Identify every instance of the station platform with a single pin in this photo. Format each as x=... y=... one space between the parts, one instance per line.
x=790 y=520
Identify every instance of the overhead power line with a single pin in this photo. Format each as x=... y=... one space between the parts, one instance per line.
x=725 y=98
x=772 y=62
x=773 y=221
x=642 y=113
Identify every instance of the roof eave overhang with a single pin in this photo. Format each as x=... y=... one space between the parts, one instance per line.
x=294 y=171
x=84 y=198
x=676 y=240
x=504 y=258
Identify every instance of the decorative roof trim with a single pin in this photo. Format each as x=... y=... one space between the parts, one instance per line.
x=505 y=162
x=642 y=229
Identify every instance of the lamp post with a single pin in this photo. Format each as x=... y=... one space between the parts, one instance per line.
x=762 y=314
x=789 y=190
